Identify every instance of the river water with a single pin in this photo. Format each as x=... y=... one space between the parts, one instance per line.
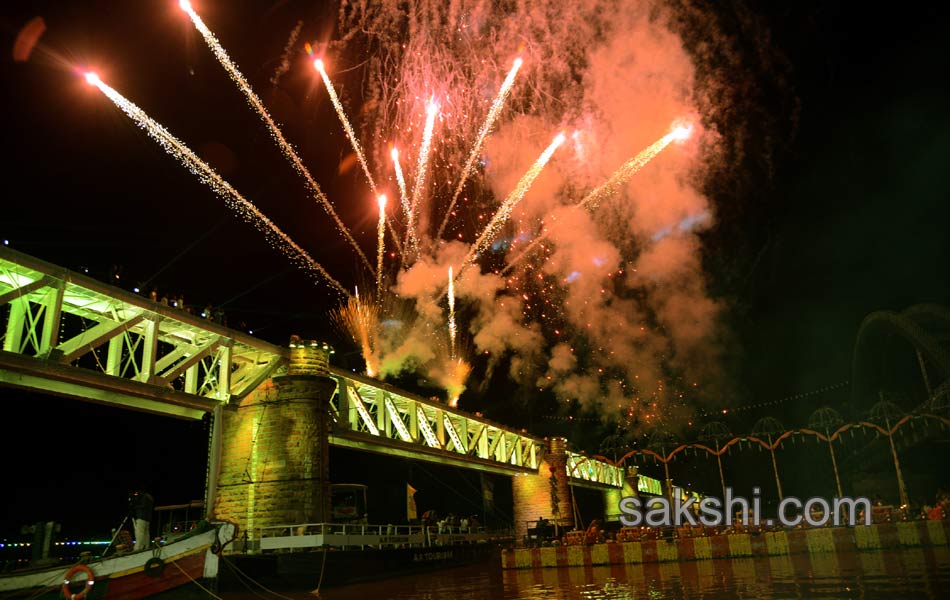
x=893 y=575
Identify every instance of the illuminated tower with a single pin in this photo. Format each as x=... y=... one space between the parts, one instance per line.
x=275 y=447
x=545 y=494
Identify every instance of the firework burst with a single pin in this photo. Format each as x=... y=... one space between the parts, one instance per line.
x=276 y=133
x=359 y=321
x=453 y=379
x=504 y=212
x=493 y=113
x=584 y=309
x=613 y=185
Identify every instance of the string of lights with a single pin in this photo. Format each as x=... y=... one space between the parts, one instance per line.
x=772 y=444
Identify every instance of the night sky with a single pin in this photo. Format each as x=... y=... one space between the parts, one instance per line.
x=842 y=213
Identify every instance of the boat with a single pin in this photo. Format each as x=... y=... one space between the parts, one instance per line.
x=309 y=556
x=312 y=556
x=181 y=558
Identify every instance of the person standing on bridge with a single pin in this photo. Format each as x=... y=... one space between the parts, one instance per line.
x=141 y=505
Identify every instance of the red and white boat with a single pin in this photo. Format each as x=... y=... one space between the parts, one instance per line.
x=189 y=558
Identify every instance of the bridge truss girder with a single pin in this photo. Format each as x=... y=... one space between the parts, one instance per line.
x=119 y=341
x=590 y=472
x=71 y=335
x=373 y=416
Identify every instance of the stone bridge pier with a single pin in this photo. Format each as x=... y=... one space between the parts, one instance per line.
x=274 y=458
x=544 y=494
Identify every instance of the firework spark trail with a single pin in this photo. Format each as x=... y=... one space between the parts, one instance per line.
x=380 y=246
x=256 y=103
x=419 y=184
x=504 y=211
x=354 y=141
x=626 y=171
x=480 y=140
x=208 y=176
x=404 y=197
x=285 y=57
x=620 y=177
x=452 y=328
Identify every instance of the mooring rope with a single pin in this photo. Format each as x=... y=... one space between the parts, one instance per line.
x=323 y=565
x=252 y=580
x=195 y=581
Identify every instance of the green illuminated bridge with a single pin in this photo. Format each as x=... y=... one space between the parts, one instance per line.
x=70 y=335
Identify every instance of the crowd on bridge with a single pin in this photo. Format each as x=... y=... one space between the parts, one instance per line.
x=214 y=314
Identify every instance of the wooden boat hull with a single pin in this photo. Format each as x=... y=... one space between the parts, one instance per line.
x=129 y=576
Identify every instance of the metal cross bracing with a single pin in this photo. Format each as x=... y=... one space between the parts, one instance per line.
x=371 y=415
x=584 y=470
x=374 y=416
x=71 y=335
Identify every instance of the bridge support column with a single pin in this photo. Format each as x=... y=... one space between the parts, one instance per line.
x=275 y=450
x=545 y=494
x=613 y=496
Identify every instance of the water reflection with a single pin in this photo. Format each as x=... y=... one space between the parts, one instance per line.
x=911 y=573
x=918 y=573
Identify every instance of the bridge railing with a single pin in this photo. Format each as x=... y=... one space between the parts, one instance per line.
x=64 y=318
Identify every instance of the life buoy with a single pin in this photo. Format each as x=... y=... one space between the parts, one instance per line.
x=68 y=582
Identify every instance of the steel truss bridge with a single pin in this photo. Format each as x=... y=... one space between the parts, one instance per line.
x=70 y=335
x=370 y=414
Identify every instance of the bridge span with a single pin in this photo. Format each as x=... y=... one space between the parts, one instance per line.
x=70 y=335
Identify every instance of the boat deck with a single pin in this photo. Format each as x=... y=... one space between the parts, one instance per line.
x=304 y=556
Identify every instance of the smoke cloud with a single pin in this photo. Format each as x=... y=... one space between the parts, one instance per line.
x=612 y=309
